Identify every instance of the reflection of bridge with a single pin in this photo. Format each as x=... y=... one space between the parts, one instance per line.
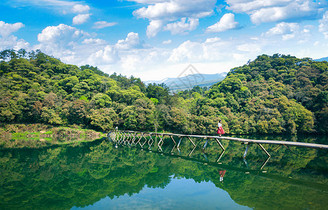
x=134 y=138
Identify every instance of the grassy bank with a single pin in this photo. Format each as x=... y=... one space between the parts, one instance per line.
x=40 y=135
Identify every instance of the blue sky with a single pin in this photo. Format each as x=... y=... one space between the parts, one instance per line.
x=156 y=39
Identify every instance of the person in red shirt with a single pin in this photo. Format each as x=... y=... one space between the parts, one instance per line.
x=220 y=129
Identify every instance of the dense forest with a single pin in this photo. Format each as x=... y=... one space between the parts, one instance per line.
x=272 y=94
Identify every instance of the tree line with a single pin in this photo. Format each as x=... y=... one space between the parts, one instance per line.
x=272 y=94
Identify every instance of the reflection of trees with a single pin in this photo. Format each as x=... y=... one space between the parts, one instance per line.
x=63 y=177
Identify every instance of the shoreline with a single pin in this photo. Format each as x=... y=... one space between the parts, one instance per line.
x=14 y=136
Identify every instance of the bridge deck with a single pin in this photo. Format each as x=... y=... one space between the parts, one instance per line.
x=287 y=143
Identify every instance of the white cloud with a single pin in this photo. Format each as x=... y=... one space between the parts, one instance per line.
x=148 y=1
x=251 y=48
x=60 y=34
x=92 y=41
x=213 y=40
x=212 y=50
x=286 y=30
x=167 y=41
x=79 y=8
x=60 y=41
x=323 y=27
x=182 y=26
x=154 y=27
x=12 y=42
x=161 y=13
x=107 y=55
x=251 y=5
x=227 y=22
x=176 y=9
x=6 y=28
x=103 y=24
x=131 y=41
x=8 y=41
x=60 y=6
x=81 y=18
x=276 y=10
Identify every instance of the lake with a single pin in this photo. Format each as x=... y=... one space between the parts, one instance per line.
x=102 y=175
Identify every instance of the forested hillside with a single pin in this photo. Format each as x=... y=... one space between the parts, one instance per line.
x=272 y=94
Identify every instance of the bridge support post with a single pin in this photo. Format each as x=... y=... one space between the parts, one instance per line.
x=150 y=141
x=191 y=141
x=205 y=144
x=219 y=143
x=179 y=142
x=133 y=139
x=141 y=135
x=173 y=140
x=246 y=150
x=266 y=152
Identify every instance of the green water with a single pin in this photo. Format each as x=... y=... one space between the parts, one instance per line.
x=101 y=175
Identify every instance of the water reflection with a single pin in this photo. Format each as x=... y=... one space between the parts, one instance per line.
x=84 y=175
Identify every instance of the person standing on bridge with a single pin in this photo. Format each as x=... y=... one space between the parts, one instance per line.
x=220 y=129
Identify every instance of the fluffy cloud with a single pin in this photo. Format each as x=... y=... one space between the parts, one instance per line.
x=107 y=55
x=103 y=24
x=60 y=41
x=213 y=49
x=8 y=41
x=182 y=26
x=275 y=10
x=60 y=34
x=81 y=18
x=154 y=27
x=167 y=41
x=6 y=28
x=92 y=41
x=60 y=6
x=79 y=8
x=161 y=13
x=323 y=27
x=12 y=42
x=287 y=30
x=176 y=9
x=227 y=22
x=132 y=41
x=250 y=48
x=252 y=5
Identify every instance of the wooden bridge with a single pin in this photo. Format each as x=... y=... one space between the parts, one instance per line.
x=149 y=138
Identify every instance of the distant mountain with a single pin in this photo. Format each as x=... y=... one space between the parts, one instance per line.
x=191 y=80
x=322 y=59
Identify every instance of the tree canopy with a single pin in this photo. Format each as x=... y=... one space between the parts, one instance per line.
x=272 y=94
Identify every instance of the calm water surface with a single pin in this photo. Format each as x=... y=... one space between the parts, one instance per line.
x=101 y=175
